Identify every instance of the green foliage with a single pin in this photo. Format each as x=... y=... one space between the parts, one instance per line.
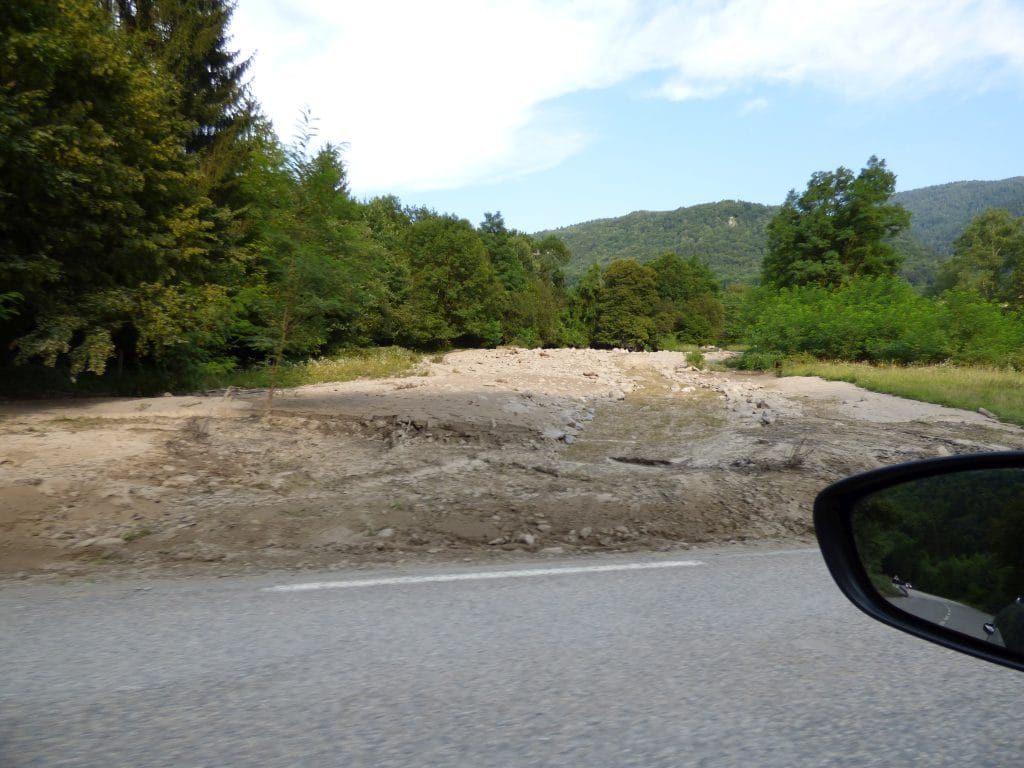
x=836 y=229
x=733 y=235
x=988 y=258
x=696 y=359
x=307 y=285
x=883 y=319
x=582 y=311
x=455 y=293
x=759 y=360
x=532 y=295
x=9 y=304
x=940 y=213
x=730 y=235
x=981 y=332
x=624 y=306
x=867 y=319
x=100 y=213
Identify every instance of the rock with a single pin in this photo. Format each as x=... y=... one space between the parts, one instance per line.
x=84 y=543
x=498 y=541
x=767 y=417
x=110 y=541
x=568 y=439
x=552 y=550
x=526 y=538
x=987 y=413
x=616 y=394
x=622 y=529
x=433 y=550
x=585 y=532
x=385 y=533
x=553 y=433
x=543 y=527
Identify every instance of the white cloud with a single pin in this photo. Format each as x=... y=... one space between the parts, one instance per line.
x=752 y=106
x=454 y=92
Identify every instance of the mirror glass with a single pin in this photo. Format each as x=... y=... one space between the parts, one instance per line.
x=950 y=549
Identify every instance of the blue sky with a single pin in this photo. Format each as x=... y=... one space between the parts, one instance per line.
x=560 y=112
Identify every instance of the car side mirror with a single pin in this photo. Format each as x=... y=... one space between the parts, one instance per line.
x=934 y=548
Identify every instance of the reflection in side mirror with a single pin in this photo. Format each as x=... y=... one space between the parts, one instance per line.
x=936 y=549
x=959 y=539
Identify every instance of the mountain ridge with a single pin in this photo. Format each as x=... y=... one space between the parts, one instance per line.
x=732 y=234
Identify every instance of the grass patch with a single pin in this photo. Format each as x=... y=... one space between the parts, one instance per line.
x=670 y=343
x=998 y=390
x=696 y=359
x=33 y=381
x=374 y=363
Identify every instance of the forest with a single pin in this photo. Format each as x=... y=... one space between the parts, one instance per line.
x=732 y=235
x=153 y=222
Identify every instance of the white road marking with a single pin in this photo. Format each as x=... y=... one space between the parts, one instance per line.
x=480 y=576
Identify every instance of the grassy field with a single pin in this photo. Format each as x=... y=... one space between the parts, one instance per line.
x=998 y=390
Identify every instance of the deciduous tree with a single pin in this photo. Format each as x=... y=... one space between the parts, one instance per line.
x=836 y=230
x=988 y=258
x=625 y=306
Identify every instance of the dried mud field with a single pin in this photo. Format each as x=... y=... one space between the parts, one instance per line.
x=488 y=454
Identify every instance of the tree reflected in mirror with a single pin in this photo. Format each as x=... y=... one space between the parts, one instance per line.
x=950 y=549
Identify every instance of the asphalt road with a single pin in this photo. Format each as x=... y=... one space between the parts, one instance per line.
x=749 y=659
x=948 y=613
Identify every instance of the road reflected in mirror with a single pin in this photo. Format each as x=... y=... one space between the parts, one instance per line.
x=950 y=549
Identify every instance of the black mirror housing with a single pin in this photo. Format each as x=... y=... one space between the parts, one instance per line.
x=846 y=518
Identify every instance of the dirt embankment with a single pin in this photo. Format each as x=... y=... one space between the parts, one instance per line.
x=490 y=453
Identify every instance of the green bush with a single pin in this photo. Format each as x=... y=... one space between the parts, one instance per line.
x=882 y=319
x=755 y=360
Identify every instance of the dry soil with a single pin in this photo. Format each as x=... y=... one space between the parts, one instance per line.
x=487 y=454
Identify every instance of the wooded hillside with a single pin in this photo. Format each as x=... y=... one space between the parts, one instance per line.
x=731 y=235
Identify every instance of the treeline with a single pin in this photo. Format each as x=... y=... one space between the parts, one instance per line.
x=152 y=220
x=830 y=284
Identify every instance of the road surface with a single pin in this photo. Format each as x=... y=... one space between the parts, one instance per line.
x=713 y=658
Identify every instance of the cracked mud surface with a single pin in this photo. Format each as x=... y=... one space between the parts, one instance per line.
x=490 y=454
